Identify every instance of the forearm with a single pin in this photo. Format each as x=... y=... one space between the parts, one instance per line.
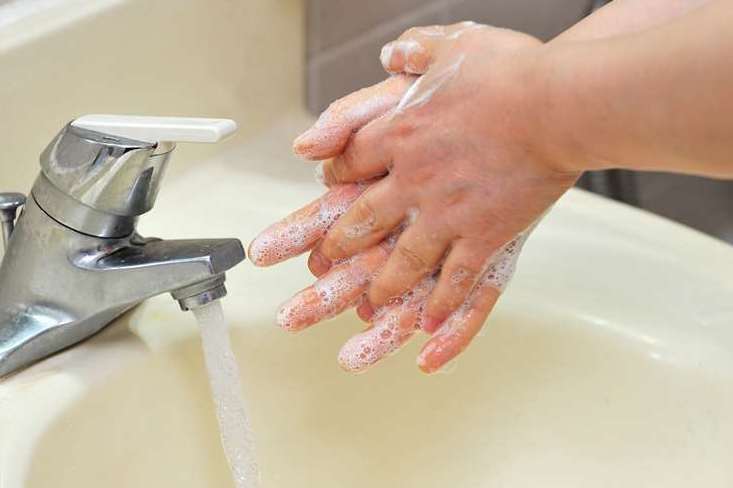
x=659 y=99
x=627 y=16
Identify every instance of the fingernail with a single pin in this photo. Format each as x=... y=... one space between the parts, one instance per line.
x=319 y=174
x=304 y=142
x=332 y=250
x=422 y=362
x=257 y=252
x=385 y=56
x=325 y=174
x=318 y=263
x=365 y=311
x=285 y=314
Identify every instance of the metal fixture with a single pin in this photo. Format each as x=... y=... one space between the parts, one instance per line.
x=75 y=261
x=9 y=204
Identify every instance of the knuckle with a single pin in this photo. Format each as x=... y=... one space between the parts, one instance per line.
x=346 y=163
x=442 y=304
x=407 y=175
x=403 y=127
x=333 y=246
x=329 y=172
x=364 y=210
x=457 y=192
x=462 y=275
x=412 y=258
x=381 y=290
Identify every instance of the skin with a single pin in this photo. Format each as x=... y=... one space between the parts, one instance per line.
x=676 y=91
x=478 y=194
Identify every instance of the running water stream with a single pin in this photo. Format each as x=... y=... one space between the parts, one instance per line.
x=225 y=382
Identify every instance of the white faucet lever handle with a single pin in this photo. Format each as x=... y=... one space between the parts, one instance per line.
x=159 y=129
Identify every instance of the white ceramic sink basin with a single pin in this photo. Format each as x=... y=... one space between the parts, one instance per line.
x=608 y=363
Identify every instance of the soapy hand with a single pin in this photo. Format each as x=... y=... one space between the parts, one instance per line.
x=460 y=159
x=452 y=305
x=343 y=285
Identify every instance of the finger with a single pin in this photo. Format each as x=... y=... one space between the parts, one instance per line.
x=417 y=253
x=415 y=50
x=332 y=293
x=317 y=263
x=392 y=328
x=369 y=220
x=300 y=230
x=458 y=330
x=364 y=310
x=330 y=133
x=365 y=156
x=459 y=274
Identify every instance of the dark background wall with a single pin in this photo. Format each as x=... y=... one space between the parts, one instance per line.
x=344 y=38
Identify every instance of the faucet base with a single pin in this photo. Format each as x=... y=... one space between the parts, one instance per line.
x=58 y=286
x=40 y=331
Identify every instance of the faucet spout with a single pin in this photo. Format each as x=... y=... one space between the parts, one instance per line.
x=59 y=286
x=143 y=268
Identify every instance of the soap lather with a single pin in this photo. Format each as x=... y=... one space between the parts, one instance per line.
x=74 y=261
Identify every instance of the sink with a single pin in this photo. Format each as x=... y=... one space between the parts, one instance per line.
x=608 y=362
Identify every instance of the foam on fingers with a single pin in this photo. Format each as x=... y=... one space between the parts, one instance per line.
x=423 y=90
x=392 y=327
x=337 y=290
x=456 y=333
x=502 y=265
x=299 y=231
x=332 y=130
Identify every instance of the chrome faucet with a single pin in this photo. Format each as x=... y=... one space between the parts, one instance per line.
x=73 y=261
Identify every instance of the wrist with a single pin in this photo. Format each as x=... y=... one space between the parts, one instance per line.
x=552 y=88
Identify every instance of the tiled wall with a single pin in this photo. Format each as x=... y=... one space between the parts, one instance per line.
x=702 y=203
x=345 y=36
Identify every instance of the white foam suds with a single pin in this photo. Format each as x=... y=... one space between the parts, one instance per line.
x=392 y=327
x=459 y=275
x=385 y=55
x=319 y=174
x=412 y=214
x=296 y=233
x=502 y=265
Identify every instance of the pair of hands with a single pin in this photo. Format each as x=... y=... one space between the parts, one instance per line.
x=435 y=176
